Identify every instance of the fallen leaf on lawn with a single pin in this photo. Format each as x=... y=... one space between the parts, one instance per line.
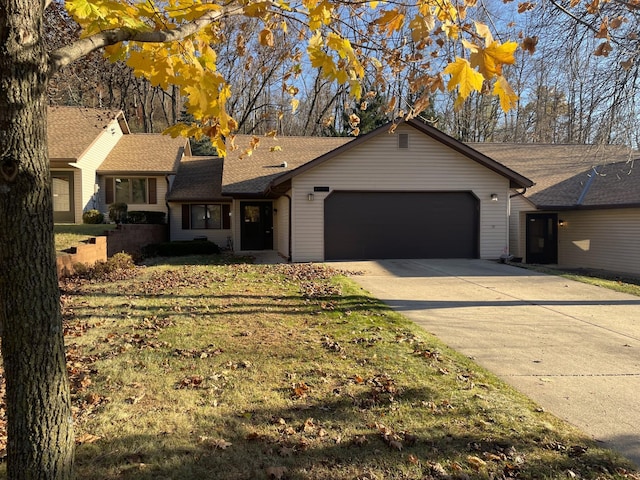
x=476 y=462
x=215 y=443
x=309 y=425
x=86 y=438
x=277 y=473
x=300 y=390
x=413 y=459
x=360 y=440
x=286 y=451
x=134 y=400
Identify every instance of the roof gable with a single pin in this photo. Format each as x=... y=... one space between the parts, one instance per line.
x=199 y=179
x=72 y=130
x=516 y=180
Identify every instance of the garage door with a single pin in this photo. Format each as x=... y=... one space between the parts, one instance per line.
x=376 y=225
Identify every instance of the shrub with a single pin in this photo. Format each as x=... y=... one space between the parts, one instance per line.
x=118 y=212
x=146 y=217
x=115 y=267
x=92 y=217
x=180 y=248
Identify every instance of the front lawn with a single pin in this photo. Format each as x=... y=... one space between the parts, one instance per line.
x=290 y=372
x=68 y=235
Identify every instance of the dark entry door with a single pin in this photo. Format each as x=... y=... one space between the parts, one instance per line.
x=257 y=226
x=378 y=225
x=542 y=238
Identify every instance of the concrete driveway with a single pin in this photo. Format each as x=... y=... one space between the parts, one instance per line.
x=571 y=347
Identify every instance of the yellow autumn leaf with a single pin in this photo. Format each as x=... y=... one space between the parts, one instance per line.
x=489 y=60
x=295 y=103
x=390 y=21
x=508 y=98
x=484 y=32
x=266 y=38
x=463 y=77
x=421 y=27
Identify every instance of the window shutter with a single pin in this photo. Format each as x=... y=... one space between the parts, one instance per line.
x=226 y=219
x=153 y=191
x=108 y=190
x=186 y=216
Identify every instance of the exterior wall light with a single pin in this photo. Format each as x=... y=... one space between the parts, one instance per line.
x=494 y=197
x=310 y=197
x=561 y=223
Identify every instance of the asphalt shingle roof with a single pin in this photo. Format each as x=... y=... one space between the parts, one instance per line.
x=571 y=175
x=145 y=153
x=199 y=179
x=253 y=174
x=71 y=130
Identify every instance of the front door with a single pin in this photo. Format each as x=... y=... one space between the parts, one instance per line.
x=542 y=238
x=256 y=232
x=62 y=190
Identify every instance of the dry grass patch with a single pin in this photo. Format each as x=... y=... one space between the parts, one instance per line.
x=290 y=372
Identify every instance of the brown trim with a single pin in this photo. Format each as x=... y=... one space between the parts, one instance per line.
x=186 y=216
x=108 y=190
x=226 y=216
x=153 y=191
x=516 y=180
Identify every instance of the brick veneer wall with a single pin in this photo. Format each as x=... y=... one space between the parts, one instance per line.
x=88 y=252
x=130 y=238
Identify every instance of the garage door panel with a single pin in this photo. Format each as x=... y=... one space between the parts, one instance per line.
x=370 y=225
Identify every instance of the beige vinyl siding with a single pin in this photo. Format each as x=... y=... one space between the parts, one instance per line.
x=89 y=163
x=517 y=213
x=281 y=226
x=602 y=239
x=379 y=165
x=219 y=237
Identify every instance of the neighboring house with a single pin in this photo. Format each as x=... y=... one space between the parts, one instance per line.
x=411 y=193
x=96 y=160
x=584 y=210
x=408 y=192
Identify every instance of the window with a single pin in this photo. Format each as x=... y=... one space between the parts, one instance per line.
x=133 y=190
x=206 y=217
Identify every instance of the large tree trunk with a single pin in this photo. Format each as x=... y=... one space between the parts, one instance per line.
x=40 y=424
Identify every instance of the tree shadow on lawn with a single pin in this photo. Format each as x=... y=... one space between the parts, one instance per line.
x=227 y=304
x=305 y=441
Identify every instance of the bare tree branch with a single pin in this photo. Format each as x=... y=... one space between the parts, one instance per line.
x=70 y=53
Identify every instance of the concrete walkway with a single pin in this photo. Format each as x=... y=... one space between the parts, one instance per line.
x=571 y=347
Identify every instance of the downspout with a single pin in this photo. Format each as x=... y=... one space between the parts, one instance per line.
x=289 y=253
x=166 y=203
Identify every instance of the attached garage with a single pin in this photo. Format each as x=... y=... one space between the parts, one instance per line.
x=375 y=225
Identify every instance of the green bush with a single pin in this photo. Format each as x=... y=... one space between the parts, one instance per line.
x=146 y=217
x=118 y=212
x=92 y=217
x=177 y=249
